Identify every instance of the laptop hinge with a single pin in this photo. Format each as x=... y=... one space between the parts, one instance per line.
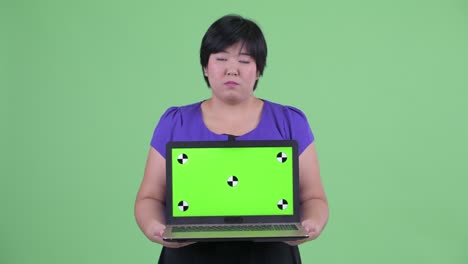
x=233 y=220
x=231 y=137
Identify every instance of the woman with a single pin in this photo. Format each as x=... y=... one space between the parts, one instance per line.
x=233 y=56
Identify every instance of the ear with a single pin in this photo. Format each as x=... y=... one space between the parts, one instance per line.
x=205 y=72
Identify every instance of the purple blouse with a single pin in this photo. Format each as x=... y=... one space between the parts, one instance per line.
x=185 y=123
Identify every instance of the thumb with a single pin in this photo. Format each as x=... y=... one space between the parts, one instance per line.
x=309 y=227
x=158 y=230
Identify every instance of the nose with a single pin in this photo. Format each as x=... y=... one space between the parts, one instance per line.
x=232 y=73
x=232 y=69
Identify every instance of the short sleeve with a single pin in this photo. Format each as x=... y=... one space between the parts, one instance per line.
x=164 y=130
x=299 y=128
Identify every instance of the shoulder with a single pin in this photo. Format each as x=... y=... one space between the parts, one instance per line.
x=176 y=116
x=289 y=112
x=292 y=123
x=179 y=112
x=175 y=124
x=184 y=109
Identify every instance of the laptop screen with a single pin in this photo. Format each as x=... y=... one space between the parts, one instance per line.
x=231 y=179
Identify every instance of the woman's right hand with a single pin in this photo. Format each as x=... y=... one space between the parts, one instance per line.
x=149 y=204
x=155 y=234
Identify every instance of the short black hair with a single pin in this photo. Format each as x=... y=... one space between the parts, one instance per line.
x=229 y=30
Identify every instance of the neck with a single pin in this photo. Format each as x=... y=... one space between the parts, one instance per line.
x=234 y=119
x=232 y=109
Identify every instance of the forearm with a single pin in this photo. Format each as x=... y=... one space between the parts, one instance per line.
x=315 y=210
x=148 y=211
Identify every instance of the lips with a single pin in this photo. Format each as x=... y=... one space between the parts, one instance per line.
x=231 y=83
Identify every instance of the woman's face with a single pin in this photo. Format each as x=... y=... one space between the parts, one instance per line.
x=232 y=74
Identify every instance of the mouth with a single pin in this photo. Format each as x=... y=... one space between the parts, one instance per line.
x=231 y=83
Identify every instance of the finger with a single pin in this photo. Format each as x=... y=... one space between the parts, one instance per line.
x=308 y=226
x=157 y=235
x=295 y=242
x=313 y=235
x=176 y=244
x=311 y=228
x=186 y=244
x=291 y=243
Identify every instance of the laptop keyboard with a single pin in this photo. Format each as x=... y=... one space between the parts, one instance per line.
x=233 y=228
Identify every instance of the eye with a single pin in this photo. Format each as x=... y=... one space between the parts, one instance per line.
x=244 y=59
x=221 y=59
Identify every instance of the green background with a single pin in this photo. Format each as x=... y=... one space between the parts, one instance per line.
x=383 y=83
x=262 y=181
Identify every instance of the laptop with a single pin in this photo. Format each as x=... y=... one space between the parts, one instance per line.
x=232 y=190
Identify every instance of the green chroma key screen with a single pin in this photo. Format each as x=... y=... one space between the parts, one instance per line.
x=232 y=181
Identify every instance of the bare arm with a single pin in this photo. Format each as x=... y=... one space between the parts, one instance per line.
x=149 y=204
x=314 y=204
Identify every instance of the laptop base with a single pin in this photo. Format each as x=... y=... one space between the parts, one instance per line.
x=257 y=236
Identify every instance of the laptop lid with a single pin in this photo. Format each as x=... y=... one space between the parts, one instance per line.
x=219 y=182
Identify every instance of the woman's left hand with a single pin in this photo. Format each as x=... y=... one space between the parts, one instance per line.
x=312 y=229
x=314 y=205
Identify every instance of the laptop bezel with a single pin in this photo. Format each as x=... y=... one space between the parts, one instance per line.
x=251 y=219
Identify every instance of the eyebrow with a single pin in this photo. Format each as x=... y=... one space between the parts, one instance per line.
x=242 y=53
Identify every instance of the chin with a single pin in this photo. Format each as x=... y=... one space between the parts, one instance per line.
x=235 y=99
x=233 y=96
